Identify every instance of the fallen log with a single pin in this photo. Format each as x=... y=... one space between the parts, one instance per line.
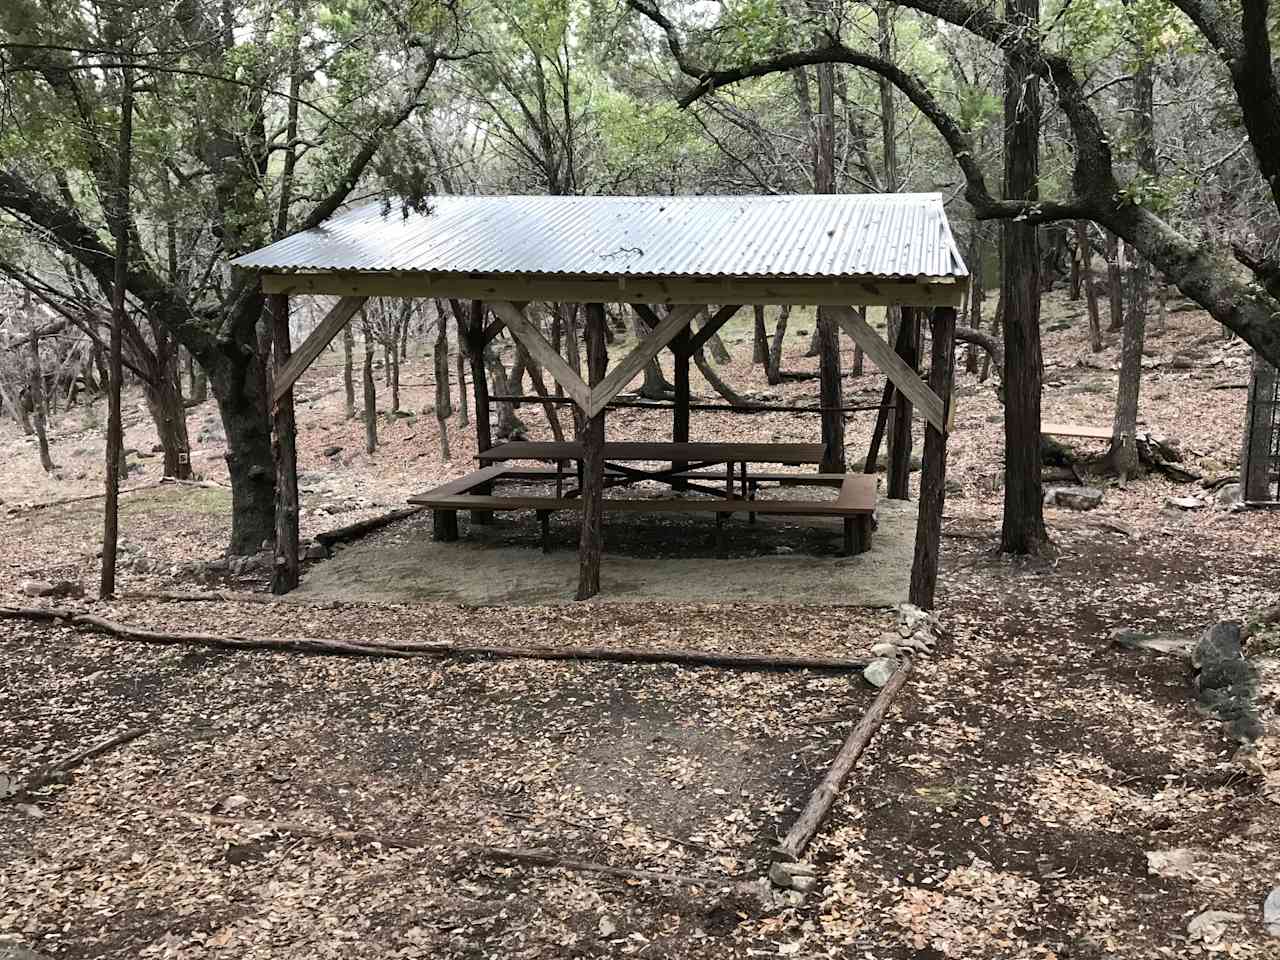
x=212 y=596
x=54 y=771
x=311 y=645
x=535 y=856
x=354 y=531
x=820 y=801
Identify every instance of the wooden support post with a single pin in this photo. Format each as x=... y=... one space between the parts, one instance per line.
x=476 y=340
x=680 y=417
x=924 y=569
x=444 y=525
x=285 y=573
x=544 y=522
x=591 y=545
x=899 y=478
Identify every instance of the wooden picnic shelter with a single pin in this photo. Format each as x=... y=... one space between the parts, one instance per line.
x=671 y=259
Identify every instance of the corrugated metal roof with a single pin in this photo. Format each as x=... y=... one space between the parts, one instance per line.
x=798 y=236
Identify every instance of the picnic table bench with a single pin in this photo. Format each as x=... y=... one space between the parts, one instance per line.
x=854 y=503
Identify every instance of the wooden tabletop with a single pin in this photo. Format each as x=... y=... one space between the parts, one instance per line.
x=645 y=450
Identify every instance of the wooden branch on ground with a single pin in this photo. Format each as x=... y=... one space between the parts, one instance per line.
x=33 y=507
x=706 y=658
x=354 y=531
x=213 y=596
x=536 y=856
x=54 y=771
x=820 y=801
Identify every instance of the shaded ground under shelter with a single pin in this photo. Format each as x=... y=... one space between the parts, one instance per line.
x=671 y=260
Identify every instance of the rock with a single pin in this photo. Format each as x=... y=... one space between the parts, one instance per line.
x=792 y=874
x=782 y=550
x=141 y=565
x=887 y=651
x=1184 y=503
x=1074 y=498
x=1271 y=912
x=1156 y=643
x=332 y=451
x=35 y=588
x=1210 y=925
x=606 y=927
x=316 y=551
x=879 y=670
x=1227 y=683
x=1228 y=495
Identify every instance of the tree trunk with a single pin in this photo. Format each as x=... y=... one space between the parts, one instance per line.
x=898 y=475
x=348 y=379
x=1261 y=423
x=540 y=388
x=115 y=422
x=591 y=546
x=1085 y=252
x=169 y=414
x=831 y=394
x=655 y=386
x=773 y=371
x=719 y=352
x=1023 y=530
x=35 y=389
x=198 y=383
x=440 y=361
x=977 y=297
x=713 y=379
x=1124 y=446
x=1115 y=282
x=287 y=568
x=760 y=337
x=464 y=417
x=370 y=391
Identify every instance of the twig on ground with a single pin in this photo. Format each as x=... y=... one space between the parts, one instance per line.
x=534 y=856
x=53 y=771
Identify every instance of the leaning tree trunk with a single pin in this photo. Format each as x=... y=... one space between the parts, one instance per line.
x=169 y=414
x=540 y=388
x=1023 y=530
x=509 y=424
x=656 y=385
x=773 y=370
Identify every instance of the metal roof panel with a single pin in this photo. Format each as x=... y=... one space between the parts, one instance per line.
x=801 y=236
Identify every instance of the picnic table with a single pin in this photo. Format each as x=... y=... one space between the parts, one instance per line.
x=684 y=466
x=686 y=460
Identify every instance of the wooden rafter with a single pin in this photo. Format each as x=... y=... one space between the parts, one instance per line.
x=305 y=355
x=882 y=355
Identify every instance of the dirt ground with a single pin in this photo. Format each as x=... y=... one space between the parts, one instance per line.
x=1036 y=792
x=648 y=558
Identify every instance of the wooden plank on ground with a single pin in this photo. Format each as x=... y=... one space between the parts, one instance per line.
x=644 y=351
x=543 y=352
x=305 y=355
x=882 y=355
x=1086 y=430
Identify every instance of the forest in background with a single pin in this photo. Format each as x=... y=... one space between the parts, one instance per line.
x=1122 y=148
